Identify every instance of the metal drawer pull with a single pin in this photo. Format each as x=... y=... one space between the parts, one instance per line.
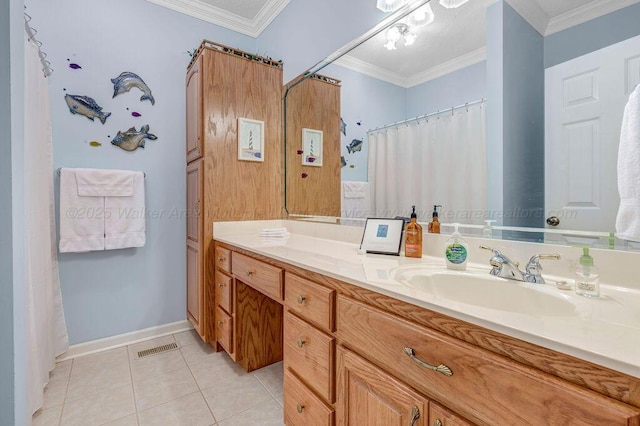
x=301 y=299
x=440 y=368
x=415 y=415
x=299 y=407
x=221 y=285
x=220 y=322
x=250 y=273
x=437 y=422
x=300 y=342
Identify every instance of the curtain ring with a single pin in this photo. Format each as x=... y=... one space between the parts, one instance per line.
x=467 y=106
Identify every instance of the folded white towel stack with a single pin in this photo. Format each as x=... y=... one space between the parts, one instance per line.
x=628 y=219
x=101 y=209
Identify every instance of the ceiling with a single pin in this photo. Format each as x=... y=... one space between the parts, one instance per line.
x=454 y=40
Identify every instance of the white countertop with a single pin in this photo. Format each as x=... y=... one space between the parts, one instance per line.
x=605 y=330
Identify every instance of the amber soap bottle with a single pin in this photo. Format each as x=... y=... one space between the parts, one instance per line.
x=413 y=237
x=434 y=225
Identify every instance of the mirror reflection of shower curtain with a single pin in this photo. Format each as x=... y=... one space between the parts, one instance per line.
x=44 y=322
x=424 y=163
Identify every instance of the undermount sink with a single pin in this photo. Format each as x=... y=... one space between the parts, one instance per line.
x=478 y=288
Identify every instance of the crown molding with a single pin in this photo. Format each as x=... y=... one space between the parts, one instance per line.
x=585 y=13
x=455 y=64
x=532 y=13
x=215 y=15
x=445 y=68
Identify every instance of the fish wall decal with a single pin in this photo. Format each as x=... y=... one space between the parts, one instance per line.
x=131 y=139
x=355 y=145
x=128 y=80
x=86 y=106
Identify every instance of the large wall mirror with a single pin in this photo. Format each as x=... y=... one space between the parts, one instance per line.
x=508 y=111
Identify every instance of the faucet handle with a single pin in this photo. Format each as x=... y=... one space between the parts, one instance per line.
x=534 y=269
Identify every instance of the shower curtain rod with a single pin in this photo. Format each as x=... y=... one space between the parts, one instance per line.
x=31 y=33
x=431 y=114
x=60 y=168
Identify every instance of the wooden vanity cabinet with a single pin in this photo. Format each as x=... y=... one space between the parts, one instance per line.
x=357 y=357
x=223 y=84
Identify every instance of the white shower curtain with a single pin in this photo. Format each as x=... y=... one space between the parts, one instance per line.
x=429 y=162
x=45 y=323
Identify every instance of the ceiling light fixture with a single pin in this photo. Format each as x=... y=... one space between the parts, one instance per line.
x=421 y=17
x=399 y=32
x=452 y=4
x=390 y=5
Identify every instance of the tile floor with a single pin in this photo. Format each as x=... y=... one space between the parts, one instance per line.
x=192 y=385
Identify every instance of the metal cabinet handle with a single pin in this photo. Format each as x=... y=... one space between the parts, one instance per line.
x=220 y=322
x=415 y=415
x=299 y=407
x=300 y=342
x=221 y=259
x=443 y=369
x=221 y=285
x=250 y=273
x=301 y=299
x=437 y=422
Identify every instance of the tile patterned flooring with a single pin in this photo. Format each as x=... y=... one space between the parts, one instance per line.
x=192 y=385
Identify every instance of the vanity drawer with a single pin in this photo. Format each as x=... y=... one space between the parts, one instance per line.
x=223 y=259
x=224 y=290
x=484 y=387
x=224 y=330
x=265 y=278
x=311 y=301
x=302 y=407
x=440 y=416
x=311 y=354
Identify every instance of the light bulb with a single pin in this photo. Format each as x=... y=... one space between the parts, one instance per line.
x=421 y=17
x=452 y=4
x=393 y=34
x=409 y=38
x=390 y=5
x=390 y=45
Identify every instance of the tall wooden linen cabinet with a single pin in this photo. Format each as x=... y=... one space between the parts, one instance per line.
x=222 y=85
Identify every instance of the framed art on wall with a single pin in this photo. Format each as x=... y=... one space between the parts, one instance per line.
x=311 y=147
x=250 y=140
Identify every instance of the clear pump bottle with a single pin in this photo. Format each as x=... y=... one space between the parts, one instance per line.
x=587 y=278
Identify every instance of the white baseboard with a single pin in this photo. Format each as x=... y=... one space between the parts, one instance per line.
x=125 y=339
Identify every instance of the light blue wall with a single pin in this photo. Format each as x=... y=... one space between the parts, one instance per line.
x=13 y=369
x=456 y=88
x=307 y=31
x=515 y=52
x=113 y=292
x=523 y=79
x=592 y=35
x=370 y=102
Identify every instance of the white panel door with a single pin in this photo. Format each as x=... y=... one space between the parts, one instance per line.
x=584 y=104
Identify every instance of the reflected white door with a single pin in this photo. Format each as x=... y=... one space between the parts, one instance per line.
x=584 y=104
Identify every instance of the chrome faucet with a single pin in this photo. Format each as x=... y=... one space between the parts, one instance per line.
x=504 y=267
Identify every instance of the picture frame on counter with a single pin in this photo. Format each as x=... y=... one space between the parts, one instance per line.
x=382 y=236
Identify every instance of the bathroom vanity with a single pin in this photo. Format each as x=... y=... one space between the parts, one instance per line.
x=365 y=342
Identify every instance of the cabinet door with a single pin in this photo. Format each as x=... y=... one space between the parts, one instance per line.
x=195 y=267
x=369 y=396
x=194 y=111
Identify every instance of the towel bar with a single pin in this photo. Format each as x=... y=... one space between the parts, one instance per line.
x=60 y=168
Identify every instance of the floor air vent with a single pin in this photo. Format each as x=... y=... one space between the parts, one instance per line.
x=157 y=350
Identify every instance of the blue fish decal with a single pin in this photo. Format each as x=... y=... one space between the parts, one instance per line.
x=343 y=127
x=128 y=80
x=136 y=114
x=86 y=106
x=131 y=139
x=355 y=145
x=75 y=66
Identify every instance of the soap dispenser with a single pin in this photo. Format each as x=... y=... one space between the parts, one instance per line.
x=487 y=229
x=413 y=237
x=434 y=225
x=457 y=251
x=587 y=279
